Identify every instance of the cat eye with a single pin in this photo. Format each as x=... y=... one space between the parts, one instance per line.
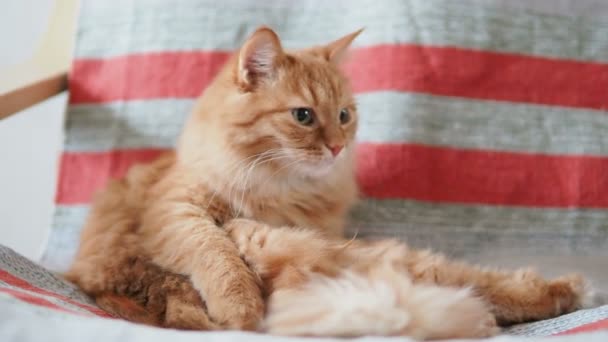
x=344 y=116
x=303 y=115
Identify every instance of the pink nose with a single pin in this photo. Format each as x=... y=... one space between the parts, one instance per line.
x=335 y=149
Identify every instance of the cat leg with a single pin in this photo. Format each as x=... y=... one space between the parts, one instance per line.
x=515 y=296
x=317 y=287
x=283 y=257
x=186 y=241
x=182 y=314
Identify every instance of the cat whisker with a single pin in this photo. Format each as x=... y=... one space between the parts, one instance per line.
x=245 y=180
x=238 y=176
x=237 y=180
x=230 y=168
x=280 y=169
x=273 y=157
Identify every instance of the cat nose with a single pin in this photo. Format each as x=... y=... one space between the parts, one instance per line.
x=335 y=149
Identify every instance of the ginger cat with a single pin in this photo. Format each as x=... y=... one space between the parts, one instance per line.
x=205 y=238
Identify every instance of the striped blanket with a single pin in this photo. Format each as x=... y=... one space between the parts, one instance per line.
x=483 y=123
x=32 y=296
x=484 y=126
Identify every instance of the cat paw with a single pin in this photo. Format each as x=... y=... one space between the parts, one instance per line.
x=248 y=235
x=247 y=317
x=238 y=310
x=569 y=293
x=182 y=315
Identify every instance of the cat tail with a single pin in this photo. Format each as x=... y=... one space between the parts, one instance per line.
x=358 y=305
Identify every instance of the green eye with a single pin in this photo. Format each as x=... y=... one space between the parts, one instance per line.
x=303 y=116
x=344 y=116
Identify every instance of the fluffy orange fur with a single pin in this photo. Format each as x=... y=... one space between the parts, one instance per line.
x=241 y=227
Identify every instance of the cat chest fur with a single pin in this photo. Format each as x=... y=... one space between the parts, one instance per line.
x=317 y=209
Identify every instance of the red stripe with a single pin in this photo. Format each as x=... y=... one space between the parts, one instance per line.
x=414 y=68
x=481 y=75
x=28 y=298
x=595 y=326
x=20 y=283
x=440 y=174
x=435 y=174
x=143 y=76
x=81 y=174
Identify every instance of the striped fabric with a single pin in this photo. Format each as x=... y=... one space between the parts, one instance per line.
x=484 y=123
x=32 y=296
x=21 y=280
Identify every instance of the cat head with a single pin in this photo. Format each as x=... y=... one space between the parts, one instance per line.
x=289 y=109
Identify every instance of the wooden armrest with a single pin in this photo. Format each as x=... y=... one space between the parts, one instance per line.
x=45 y=73
x=24 y=97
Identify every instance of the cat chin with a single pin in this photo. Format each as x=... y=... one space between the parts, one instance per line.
x=317 y=169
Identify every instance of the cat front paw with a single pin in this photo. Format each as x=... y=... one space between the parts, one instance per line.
x=568 y=292
x=246 y=314
x=239 y=305
x=249 y=236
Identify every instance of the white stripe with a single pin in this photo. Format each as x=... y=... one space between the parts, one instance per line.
x=589 y=8
x=471 y=231
x=133 y=124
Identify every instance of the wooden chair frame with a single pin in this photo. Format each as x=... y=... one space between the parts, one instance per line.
x=45 y=74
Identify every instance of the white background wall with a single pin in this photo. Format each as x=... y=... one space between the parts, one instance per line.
x=29 y=141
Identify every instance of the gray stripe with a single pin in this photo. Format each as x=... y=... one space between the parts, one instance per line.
x=590 y=8
x=385 y=117
x=469 y=231
x=109 y=29
x=456 y=122
x=133 y=124
x=464 y=231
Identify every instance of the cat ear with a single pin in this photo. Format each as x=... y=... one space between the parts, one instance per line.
x=336 y=50
x=258 y=57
